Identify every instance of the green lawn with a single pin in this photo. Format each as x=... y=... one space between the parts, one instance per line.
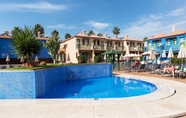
x=34 y=68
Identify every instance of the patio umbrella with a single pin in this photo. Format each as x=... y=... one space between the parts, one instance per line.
x=170 y=54
x=7 y=59
x=148 y=53
x=152 y=56
x=36 y=59
x=163 y=54
x=182 y=52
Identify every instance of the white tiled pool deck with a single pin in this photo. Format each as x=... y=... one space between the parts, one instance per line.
x=164 y=102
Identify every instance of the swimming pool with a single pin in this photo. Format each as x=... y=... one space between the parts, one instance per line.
x=107 y=87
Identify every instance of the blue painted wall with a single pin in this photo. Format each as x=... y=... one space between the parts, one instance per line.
x=33 y=84
x=6 y=49
x=175 y=48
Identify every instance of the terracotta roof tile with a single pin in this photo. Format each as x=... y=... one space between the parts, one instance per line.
x=161 y=35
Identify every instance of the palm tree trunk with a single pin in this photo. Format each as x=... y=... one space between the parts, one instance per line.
x=54 y=61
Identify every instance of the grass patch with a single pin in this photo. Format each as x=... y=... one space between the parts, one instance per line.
x=47 y=66
x=34 y=68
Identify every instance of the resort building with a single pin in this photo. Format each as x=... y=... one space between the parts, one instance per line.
x=6 y=49
x=93 y=45
x=163 y=41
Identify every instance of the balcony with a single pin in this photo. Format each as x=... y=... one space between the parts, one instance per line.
x=83 y=47
x=140 y=49
x=98 y=47
x=120 y=48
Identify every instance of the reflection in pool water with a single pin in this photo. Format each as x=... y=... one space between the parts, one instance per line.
x=107 y=87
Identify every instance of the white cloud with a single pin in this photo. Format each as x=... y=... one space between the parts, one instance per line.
x=152 y=25
x=61 y=26
x=97 y=25
x=33 y=7
x=177 y=12
x=151 y=17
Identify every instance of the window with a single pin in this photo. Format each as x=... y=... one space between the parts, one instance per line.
x=94 y=42
x=102 y=42
x=153 y=44
x=107 y=43
x=148 y=45
x=110 y=43
x=181 y=39
x=78 y=41
x=118 y=44
x=97 y=42
x=168 y=42
x=131 y=44
x=159 y=43
x=127 y=43
x=174 y=41
x=87 y=42
x=83 y=42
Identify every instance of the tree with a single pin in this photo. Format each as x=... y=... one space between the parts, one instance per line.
x=15 y=30
x=99 y=34
x=25 y=44
x=67 y=35
x=145 y=38
x=53 y=45
x=90 y=32
x=116 y=31
x=38 y=29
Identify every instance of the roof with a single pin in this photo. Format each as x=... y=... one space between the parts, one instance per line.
x=162 y=35
x=131 y=39
x=10 y=37
x=102 y=37
x=6 y=37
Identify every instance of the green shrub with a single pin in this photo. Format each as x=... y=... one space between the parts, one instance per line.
x=97 y=59
x=176 y=60
x=42 y=63
x=81 y=59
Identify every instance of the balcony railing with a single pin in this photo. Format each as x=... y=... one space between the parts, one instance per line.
x=98 y=47
x=83 y=47
x=140 y=49
x=120 y=48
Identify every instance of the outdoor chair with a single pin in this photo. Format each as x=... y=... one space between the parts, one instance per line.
x=180 y=72
x=141 y=68
x=127 y=66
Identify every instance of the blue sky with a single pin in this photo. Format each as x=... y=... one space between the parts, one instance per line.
x=137 y=18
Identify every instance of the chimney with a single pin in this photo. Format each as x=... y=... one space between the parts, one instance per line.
x=127 y=36
x=6 y=33
x=173 y=28
x=105 y=34
x=84 y=32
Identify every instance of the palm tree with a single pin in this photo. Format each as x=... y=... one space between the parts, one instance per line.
x=67 y=35
x=38 y=29
x=15 y=30
x=99 y=34
x=53 y=45
x=90 y=32
x=145 y=38
x=24 y=44
x=116 y=31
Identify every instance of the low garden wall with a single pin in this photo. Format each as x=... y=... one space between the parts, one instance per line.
x=32 y=84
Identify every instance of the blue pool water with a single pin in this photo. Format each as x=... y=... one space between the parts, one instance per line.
x=107 y=87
